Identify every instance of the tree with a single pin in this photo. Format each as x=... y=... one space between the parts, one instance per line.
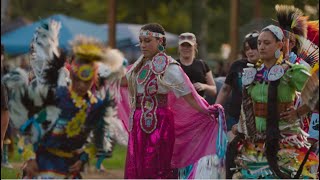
x=200 y=25
x=202 y=17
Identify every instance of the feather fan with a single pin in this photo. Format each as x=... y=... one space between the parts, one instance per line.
x=309 y=51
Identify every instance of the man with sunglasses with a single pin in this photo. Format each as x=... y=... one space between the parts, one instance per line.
x=197 y=70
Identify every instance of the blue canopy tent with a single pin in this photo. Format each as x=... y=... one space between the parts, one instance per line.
x=18 y=41
x=128 y=35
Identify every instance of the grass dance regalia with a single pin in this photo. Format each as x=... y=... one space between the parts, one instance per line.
x=165 y=132
x=55 y=117
x=267 y=146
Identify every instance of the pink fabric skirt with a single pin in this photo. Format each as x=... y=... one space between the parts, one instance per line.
x=149 y=155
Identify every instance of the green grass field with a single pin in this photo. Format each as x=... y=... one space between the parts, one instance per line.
x=117 y=161
x=9 y=173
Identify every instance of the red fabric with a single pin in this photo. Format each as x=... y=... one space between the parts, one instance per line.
x=68 y=66
x=313 y=31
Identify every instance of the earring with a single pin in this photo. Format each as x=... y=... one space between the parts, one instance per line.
x=160 y=48
x=277 y=54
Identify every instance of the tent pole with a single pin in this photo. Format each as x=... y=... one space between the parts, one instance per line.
x=112 y=23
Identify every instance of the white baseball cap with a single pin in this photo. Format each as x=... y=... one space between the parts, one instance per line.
x=188 y=38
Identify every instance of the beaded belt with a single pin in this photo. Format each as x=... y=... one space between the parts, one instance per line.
x=261 y=109
x=161 y=98
x=60 y=153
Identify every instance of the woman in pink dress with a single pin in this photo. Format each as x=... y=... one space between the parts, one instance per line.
x=170 y=126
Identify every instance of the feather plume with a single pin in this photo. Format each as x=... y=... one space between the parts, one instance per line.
x=46 y=38
x=113 y=58
x=91 y=49
x=291 y=19
x=51 y=74
x=17 y=81
x=300 y=26
x=44 y=46
x=313 y=32
x=115 y=127
x=87 y=48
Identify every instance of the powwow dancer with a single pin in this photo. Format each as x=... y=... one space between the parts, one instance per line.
x=170 y=126
x=274 y=146
x=60 y=117
x=300 y=35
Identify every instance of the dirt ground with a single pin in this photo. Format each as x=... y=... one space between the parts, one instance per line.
x=91 y=173
x=108 y=174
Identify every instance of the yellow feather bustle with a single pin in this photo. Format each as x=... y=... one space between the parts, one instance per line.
x=91 y=49
x=87 y=48
x=110 y=62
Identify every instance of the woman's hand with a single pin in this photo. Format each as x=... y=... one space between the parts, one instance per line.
x=31 y=168
x=76 y=167
x=234 y=129
x=290 y=115
x=214 y=109
x=199 y=86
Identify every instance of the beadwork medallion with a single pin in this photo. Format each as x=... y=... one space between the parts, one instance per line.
x=275 y=73
x=160 y=63
x=143 y=74
x=248 y=75
x=149 y=104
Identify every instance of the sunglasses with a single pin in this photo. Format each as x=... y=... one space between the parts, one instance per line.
x=182 y=37
x=252 y=35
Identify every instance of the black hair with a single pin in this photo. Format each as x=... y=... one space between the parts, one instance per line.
x=273 y=131
x=155 y=27
x=252 y=42
x=297 y=46
x=295 y=49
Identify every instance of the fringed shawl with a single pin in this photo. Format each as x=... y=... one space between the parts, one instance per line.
x=196 y=133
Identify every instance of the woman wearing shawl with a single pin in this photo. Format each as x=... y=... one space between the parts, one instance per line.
x=170 y=126
x=275 y=146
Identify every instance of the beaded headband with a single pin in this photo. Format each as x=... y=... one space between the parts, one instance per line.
x=149 y=33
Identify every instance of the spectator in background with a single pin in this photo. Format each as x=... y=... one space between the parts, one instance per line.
x=4 y=104
x=233 y=80
x=219 y=69
x=197 y=70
